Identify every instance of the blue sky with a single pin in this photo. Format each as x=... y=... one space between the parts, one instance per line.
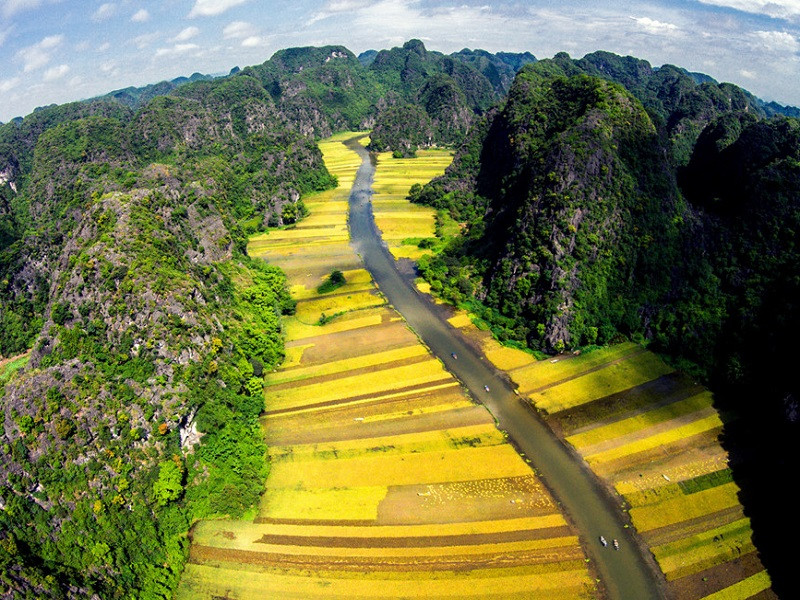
x=63 y=50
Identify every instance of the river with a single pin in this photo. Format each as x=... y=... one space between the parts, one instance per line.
x=626 y=574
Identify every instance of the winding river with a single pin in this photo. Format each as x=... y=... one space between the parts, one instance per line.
x=627 y=573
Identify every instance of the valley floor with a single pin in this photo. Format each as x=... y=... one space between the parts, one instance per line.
x=386 y=479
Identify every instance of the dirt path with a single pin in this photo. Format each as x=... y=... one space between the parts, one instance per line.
x=627 y=574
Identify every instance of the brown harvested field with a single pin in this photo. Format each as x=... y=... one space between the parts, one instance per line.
x=418 y=411
x=637 y=400
x=330 y=347
x=710 y=581
x=386 y=480
x=688 y=527
x=506 y=498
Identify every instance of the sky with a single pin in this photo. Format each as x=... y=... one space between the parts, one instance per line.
x=64 y=50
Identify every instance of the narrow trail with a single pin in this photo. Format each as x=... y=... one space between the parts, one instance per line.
x=627 y=573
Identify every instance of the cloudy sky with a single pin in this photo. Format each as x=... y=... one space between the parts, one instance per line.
x=63 y=50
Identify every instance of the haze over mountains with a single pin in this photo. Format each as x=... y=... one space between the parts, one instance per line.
x=600 y=199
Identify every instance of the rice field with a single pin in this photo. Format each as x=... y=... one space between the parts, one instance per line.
x=653 y=436
x=386 y=479
x=403 y=224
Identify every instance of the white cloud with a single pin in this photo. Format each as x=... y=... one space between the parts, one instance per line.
x=38 y=55
x=238 y=29
x=54 y=73
x=144 y=40
x=779 y=42
x=187 y=34
x=103 y=47
x=653 y=26
x=105 y=12
x=177 y=49
x=140 y=16
x=51 y=41
x=209 y=8
x=9 y=84
x=11 y=7
x=337 y=7
x=4 y=35
x=781 y=9
x=254 y=41
x=747 y=74
x=109 y=68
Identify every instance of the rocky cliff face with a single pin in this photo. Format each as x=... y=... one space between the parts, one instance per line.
x=124 y=269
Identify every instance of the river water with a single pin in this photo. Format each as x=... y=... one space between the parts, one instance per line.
x=625 y=574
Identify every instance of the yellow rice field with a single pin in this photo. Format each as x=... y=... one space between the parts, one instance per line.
x=396 y=217
x=386 y=480
x=614 y=378
x=653 y=436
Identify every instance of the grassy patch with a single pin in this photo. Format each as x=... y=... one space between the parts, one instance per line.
x=707 y=481
x=12 y=365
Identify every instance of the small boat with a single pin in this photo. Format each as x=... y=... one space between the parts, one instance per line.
x=603 y=541
x=453 y=354
x=486 y=387
x=616 y=544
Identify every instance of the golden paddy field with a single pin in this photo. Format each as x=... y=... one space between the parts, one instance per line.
x=402 y=223
x=386 y=480
x=653 y=436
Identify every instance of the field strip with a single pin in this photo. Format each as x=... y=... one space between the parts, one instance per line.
x=346 y=426
x=329 y=548
x=705 y=550
x=555 y=556
x=295 y=330
x=547 y=372
x=303 y=294
x=464 y=464
x=346 y=364
x=643 y=420
x=690 y=527
x=484 y=434
x=584 y=372
x=208 y=531
x=684 y=431
x=357 y=503
x=638 y=400
x=356 y=372
x=747 y=588
x=645 y=432
x=683 y=508
x=616 y=377
x=258 y=584
x=677 y=485
x=365 y=399
x=309 y=311
x=369 y=383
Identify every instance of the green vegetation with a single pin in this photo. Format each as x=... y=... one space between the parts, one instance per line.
x=124 y=267
x=334 y=281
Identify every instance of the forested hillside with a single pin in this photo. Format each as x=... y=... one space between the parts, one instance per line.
x=610 y=199
x=123 y=266
x=607 y=200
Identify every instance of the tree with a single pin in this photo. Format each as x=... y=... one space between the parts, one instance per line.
x=169 y=485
